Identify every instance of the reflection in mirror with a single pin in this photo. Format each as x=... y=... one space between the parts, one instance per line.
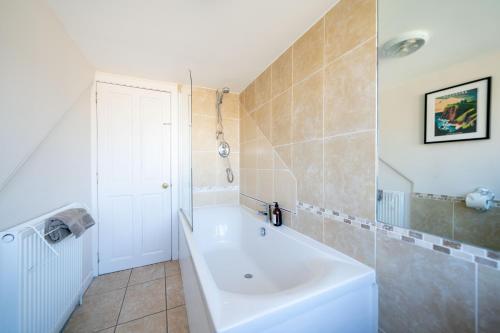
x=439 y=118
x=186 y=191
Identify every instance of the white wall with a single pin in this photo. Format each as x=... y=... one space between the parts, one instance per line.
x=43 y=73
x=58 y=172
x=44 y=116
x=453 y=168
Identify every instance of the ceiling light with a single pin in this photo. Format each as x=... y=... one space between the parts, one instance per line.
x=405 y=44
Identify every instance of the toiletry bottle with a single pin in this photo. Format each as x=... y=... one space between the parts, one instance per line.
x=277 y=218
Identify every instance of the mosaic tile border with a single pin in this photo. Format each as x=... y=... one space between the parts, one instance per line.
x=431 y=196
x=456 y=249
x=444 y=197
x=198 y=189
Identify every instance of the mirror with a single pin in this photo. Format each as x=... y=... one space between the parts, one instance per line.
x=439 y=118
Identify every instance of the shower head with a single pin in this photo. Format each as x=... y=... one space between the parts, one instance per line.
x=220 y=94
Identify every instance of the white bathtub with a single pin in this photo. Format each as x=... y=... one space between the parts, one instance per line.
x=297 y=284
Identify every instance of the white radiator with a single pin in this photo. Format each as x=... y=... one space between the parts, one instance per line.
x=391 y=207
x=40 y=284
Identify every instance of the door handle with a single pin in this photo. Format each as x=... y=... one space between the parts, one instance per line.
x=164 y=185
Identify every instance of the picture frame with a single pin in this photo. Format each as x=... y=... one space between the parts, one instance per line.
x=458 y=113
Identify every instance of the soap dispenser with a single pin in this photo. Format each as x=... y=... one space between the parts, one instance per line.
x=277 y=219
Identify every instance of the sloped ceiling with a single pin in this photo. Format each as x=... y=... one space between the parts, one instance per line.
x=224 y=42
x=43 y=74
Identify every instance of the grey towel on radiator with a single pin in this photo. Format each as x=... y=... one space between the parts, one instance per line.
x=61 y=225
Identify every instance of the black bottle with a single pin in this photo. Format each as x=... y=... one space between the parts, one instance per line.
x=277 y=219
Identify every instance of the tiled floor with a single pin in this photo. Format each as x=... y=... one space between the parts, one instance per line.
x=144 y=299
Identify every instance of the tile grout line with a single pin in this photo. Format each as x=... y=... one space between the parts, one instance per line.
x=143 y=282
x=323 y=67
x=123 y=299
x=327 y=137
x=148 y=315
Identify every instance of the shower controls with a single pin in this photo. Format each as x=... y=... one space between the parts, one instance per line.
x=224 y=149
x=262 y=231
x=164 y=185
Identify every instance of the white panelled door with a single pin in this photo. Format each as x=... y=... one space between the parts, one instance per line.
x=134 y=192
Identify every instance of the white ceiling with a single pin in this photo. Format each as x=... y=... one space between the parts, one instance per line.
x=459 y=30
x=224 y=42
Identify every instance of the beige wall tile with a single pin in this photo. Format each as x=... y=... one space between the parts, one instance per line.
x=231 y=133
x=241 y=98
x=350 y=103
x=263 y=87
x=478 y=228
x=243 y=180
x=307 y=118
x=249 y=203
x=204 y=171
x=201 y=199
x=264 y=153
x=262 y=117
x=352 y=241
x=350 y=174
x=245 y=155
x=227 y=197
x=348 y=24
x=248 y=127
x=287 y=218
x=265 y=185
x=285 y=189
x=488 y=299
x=432 y=216
x=278 y=162
x=230 y=106
x=203 y=133
x=250 y=102
x=281 y=126
x=308 y=52
x=282 y=73
x=248 y=183
x=251 y=154
x=309 y=224
x=422 y=290
x=285 y=157
x=307 y=167
x=203 y=101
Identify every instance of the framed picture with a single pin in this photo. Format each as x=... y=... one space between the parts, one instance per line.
x=458 y=113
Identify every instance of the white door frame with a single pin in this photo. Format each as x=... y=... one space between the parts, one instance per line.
x=135 y=82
